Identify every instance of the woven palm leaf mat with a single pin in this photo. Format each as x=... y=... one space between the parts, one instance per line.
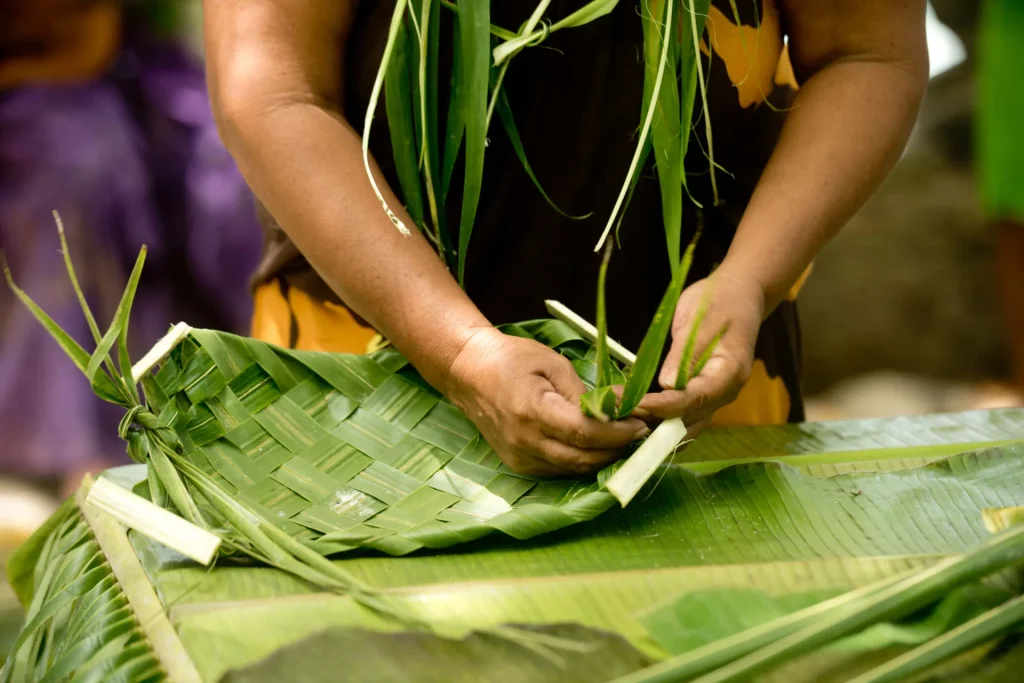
x=344 y=451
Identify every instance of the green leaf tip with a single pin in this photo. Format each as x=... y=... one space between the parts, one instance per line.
x=600 y=403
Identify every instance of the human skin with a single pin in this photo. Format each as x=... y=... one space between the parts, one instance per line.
x=275 y=75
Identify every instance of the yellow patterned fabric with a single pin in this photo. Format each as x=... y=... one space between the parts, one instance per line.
x=292 y=319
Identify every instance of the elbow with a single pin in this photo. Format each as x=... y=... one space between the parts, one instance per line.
x=234 y=107
x=916 y=69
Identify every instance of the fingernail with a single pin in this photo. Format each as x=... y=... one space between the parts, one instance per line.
x=641 y=433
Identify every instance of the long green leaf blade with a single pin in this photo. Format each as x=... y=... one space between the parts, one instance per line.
x=507 y=120
x=649 y=355
x=455 y=127
x=689 y=62
x=78 y=355
x=992 y=624
x=665 y=128
x=398 y=106
x=371 y=109
x=474 y=23
x=120 y=321
x=604 y=361
x=426 y=90
x=724 y=650
x=891 y=603
x=90 y=319
x=645 y=129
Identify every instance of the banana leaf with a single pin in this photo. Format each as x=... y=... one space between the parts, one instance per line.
x=790 y=533
x=478 y=657
x=762 y=526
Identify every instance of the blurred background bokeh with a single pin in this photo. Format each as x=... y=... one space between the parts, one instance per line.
x=917 y=307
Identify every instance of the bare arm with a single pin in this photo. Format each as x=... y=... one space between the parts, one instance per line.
x=863 y=68
x=275 y=74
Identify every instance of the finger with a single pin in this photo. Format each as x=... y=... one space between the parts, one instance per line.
x=563 y=378
x=716 y=386
x=575 y=460
x=559 y=419
x=680 y=337
x=533 y=464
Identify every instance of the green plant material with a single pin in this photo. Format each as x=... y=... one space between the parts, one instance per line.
x=704 y=98
x=114 y=332
x=506 y=50
x=995 y=623
x=627 y=481
x=1001 y=519
x=708 y=352
x=684 y=374
x=104 y=387
x=649 y=355
x=90 y=319
x=585 y=330
x=496 y=31
x=710 y=628
x=455 y=127
x=513 y=43
x=634 y=179
x=594 y=656
x=474 y=22
x=890 y=603
x=371 y=109
x=161 y=639
x=339 y=451
x=22 y=562
x=600 y=403
x=501 y=65
x=666 y=132
x=644 y=131
x=79 y=620
x=689 y=65
x=505 y=114
x=398 y=106
x=430 y=32
x=157 y=523
x=764 y=526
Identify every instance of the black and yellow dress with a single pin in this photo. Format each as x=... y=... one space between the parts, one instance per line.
x=578 y=108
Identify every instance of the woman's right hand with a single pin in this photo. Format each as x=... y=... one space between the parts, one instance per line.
x=525 y=400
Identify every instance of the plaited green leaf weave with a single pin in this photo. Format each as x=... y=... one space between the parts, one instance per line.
x=345 y=451
x=290 y=456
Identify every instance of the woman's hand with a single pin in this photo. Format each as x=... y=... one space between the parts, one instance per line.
x=525 y=399
x=733 y=301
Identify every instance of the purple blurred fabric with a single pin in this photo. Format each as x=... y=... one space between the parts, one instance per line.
x=130 y=160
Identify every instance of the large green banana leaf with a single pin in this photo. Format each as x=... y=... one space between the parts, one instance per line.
x=763 y=526
x=761 y=534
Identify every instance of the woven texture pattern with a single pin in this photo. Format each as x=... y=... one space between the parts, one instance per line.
x=344 y=451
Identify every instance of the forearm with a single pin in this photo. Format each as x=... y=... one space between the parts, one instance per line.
x=304 y=162
x=846 y=130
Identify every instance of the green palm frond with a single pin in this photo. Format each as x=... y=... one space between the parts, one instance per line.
x=79 y=622
x=289 y=456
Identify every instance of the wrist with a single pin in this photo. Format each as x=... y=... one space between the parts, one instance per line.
x=743 y=277
x=456 y=376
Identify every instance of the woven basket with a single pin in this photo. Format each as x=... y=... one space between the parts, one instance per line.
x=345 y=451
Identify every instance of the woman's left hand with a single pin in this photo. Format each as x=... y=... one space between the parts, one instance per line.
x=733 y=301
